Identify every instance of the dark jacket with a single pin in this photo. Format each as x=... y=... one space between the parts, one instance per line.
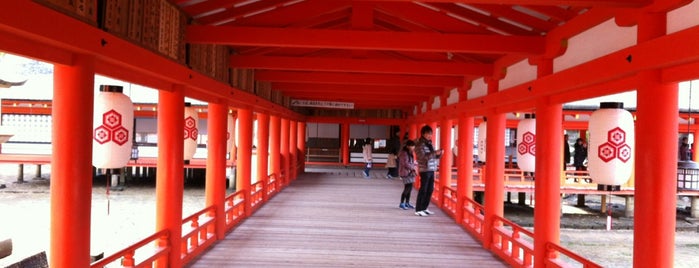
x=426 y=155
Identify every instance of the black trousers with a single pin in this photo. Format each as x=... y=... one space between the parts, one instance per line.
x=426 y=188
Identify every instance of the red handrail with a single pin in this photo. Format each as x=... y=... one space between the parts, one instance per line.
x=235 y=209
x=257 y=194
x=198 y=233
x=127 y=255
x=553 y=260
x=449 y=201
x=474 y=218
x=271 y=185
x=509 y=244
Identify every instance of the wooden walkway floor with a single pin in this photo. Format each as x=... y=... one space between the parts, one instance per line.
x=340 y=219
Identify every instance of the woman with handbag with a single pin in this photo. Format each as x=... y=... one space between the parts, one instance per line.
x=407 y=172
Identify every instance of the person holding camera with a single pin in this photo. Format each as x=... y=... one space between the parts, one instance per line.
x=427 y=164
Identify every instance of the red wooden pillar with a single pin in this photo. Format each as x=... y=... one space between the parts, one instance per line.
x=284 y=144
x=412 y=132
x=695 y=148
x=244 y=166
x=433 y=125
x=464 y=184
x=344 y=143
x=292 y=150
x=216 y=163
x=656 y=166
x=274 y=140
x=263 y=150
x=495 y=170
x=301 y=145
x=445 y=161
x=71 y=163
x=169 y=178
x=234 y=144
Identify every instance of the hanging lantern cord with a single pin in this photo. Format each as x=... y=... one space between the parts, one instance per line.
x=109 y=180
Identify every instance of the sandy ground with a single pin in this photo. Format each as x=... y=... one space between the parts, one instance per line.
x=25 y=217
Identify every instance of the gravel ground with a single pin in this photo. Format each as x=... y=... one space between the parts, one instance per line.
x=133 y=210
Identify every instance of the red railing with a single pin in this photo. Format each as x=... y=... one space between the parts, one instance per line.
x=235 y=209
x=157 y=251
x=437 y=189
x=257 y=195
x=513 y=243
x=553 y=259
x=474 y=218
x=449 y=201
x=198 y=232
x=271 y=185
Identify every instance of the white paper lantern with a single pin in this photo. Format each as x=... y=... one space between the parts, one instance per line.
x=526 y=144
x=611 y=149
x=191 y=131
x=112 y=128
x=230 y=136
x=482 y=140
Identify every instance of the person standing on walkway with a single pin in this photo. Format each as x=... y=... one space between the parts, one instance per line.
x=367 y=153
x=427 y=163
x=580 y=154
x=393 y=146
x=407 y=173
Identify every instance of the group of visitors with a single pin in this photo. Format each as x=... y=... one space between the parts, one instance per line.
x=406 y=162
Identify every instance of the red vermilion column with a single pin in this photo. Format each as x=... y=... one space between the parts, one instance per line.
x=446 y=160
x=464 y=184
x=495 y=170
x=274 y=141
x=656 y=166
x=301 y=145
x=433 y=125
x=292 y=150
x=344 y=143
x=71 y=163
x=263 y=150
x=413 y=132
x=169 y=178
x=284 y=144
x=695 y=148
x=244 y=166
x=234 y=134
x=216 y=163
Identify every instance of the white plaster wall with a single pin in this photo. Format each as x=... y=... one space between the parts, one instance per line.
x=588 y=45
x=423 y=107
x=453 y=96
x=436 y=103
x=478 y=89
x=518 y=73
x=683 y=18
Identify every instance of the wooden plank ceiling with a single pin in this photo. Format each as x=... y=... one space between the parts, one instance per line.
x=389 y=54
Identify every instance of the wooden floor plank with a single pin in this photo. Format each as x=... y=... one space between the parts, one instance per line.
x=339 y=219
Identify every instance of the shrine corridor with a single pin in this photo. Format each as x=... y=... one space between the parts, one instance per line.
x=338 y=218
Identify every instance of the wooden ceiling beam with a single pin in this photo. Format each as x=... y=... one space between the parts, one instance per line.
x=351 y=89
x=370 y=40
x=361 y=65
x=584 y=3
x=360 y=79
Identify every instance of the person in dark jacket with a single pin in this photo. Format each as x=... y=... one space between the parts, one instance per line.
x=580 y=154
x=393 y=146
x=407 y=172
x=427 y=158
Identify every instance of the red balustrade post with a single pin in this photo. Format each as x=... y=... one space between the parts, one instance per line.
x=244 y=166
x=216 y=164
x=656 y=159
x=274 y=145
x=71 y=163
x=169 y=178
x=464 y=183
x=263 y=151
